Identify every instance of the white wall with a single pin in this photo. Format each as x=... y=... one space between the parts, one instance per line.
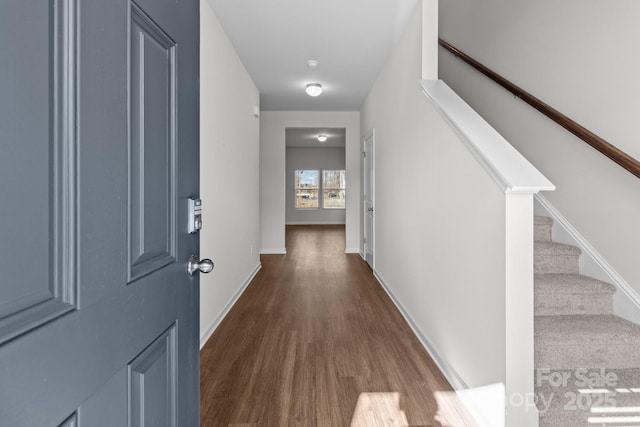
x=439 y=221
x=579 y=57
x=446 y=234
x=314 y=159
x=273 y=172
x=229 y=177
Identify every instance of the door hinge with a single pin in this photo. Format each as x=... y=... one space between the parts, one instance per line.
x=364 y=153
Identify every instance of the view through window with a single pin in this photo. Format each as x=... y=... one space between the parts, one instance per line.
x=333 y=189
x=308 y=189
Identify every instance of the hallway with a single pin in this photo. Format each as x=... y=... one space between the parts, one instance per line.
x=308 y=342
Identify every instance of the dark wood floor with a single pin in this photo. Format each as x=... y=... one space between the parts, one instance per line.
x=314 y=333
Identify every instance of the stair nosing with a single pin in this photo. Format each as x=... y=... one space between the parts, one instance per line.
x=553 y=248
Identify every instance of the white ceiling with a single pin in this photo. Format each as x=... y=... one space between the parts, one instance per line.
x=351 y=39
x=308 y=137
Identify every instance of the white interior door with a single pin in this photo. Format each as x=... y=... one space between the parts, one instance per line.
x=369 y=198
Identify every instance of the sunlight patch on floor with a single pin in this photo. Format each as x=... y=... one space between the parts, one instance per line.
x=475 y=407
x=380 y=410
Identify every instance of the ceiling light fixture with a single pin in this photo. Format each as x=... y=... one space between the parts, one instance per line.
x=313 y=64
x=313 y=89
x=322 y=138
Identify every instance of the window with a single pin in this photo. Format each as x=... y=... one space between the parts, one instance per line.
x=333 y=189
x=307 y=188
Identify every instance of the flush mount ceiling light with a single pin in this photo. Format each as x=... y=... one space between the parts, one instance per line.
x=313 y=89
x=313 y=64
x=322 y=138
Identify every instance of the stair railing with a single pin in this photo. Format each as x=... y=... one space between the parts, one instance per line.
x=620 y=157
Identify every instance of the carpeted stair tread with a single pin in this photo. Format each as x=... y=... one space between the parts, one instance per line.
x=572 y=294
x=552 y=257
x=542 y=228
x=554 y=248
x=538 y=220
x=579 y=414
x=573 y=409
x=562 y=400
x=590 y=341
x=542 y=220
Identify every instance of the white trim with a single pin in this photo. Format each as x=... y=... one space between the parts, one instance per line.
x=216 y=322
x=593 y=264
x=449 y=373
x=429 y=39
x=362 y=255
x=352 y=251
x=518 y=309
x=472 y=402
x=273 y=251
x=372 y=136
x=316 y=223
x=508 y=168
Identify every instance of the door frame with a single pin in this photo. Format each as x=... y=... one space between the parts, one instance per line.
x=371 y=135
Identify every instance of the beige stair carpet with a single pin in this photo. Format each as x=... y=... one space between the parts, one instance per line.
x=587 y=360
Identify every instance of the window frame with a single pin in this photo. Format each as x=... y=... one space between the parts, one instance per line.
x=320 y=200
x=342 y=189
x=297 y=188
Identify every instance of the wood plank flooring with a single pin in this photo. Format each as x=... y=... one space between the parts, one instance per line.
x=315 y=341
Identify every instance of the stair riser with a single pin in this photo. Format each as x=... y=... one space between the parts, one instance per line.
x=555 y=304
x=560 y=355
x=555 y=264
x=542 y=232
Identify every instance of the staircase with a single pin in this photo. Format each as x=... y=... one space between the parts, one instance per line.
x=587 y=359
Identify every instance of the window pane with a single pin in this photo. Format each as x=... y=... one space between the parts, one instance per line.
x=334 y=199
x=333 y=189
x=307 y=187
x=306 y=199
x=307 y=179
x=333 y=179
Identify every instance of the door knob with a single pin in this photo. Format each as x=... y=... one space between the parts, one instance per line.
x=204 y=266
x=370 y=209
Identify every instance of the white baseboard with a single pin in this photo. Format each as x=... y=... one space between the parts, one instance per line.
x=352 y=251
x=627 y=301
x=450 y=374
x=216 y=322
x=271 y=251
x=471 y=398
x=315 y=223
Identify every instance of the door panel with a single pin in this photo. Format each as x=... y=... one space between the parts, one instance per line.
x=152 y=216
x=36 y=183
x=369 y=197
x=72 y=421
x=94 y=293
x=152 y=384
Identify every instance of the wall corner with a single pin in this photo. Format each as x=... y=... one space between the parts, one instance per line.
x=429 y=39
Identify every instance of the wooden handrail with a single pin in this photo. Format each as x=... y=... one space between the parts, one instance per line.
x=615 y=154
